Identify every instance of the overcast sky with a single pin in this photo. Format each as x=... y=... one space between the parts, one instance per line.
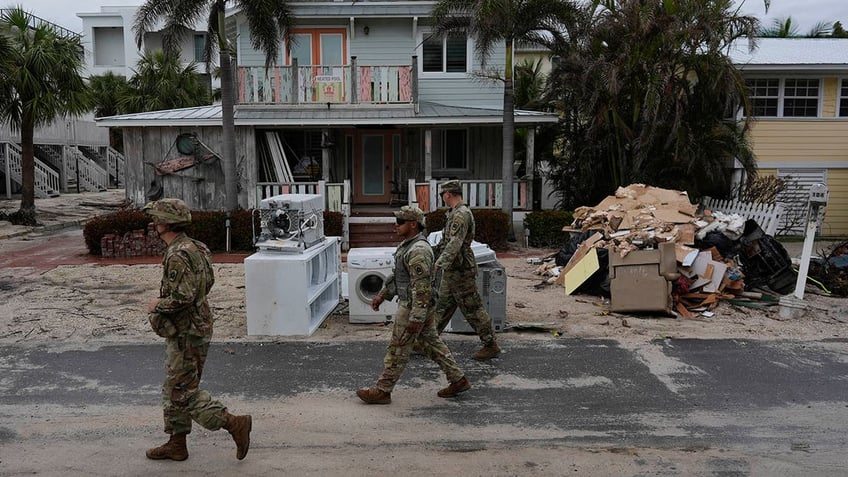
x=804 y=13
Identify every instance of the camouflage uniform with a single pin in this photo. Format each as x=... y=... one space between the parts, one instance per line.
x=458 y=285
x=182 y=316
x=411 y=282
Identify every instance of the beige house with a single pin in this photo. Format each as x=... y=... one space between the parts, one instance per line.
x=799 y=95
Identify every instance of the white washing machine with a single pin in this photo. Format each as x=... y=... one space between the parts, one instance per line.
x=367 y=270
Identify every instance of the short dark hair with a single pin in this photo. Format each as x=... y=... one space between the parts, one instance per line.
x=178 y=228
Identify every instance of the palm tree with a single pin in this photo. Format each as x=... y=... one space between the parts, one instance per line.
x=783 y=28
x=269 y=21
x=649 y=95
x=106 y=91
x=161 y=82
x=39 y=80
x=493 y=22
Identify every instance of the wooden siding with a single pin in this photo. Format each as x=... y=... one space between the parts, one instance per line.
x=829 y=95
x=484 y=155
x=201 y=186
x=836 y=212
x=796 y=142
x=387 y=42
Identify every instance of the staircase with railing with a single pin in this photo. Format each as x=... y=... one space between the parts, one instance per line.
x=11 y=164
x=89 y=175
x=116 y=165
x=108 y=158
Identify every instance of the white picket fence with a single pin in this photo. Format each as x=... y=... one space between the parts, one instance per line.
x=766 y=215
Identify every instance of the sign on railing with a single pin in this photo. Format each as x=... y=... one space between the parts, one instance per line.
x=321 y=84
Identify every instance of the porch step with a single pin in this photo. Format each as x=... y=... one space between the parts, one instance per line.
x=370 y=234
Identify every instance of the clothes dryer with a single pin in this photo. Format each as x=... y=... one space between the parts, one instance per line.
x=367 y=271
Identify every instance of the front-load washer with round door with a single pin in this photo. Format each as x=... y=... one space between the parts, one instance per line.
x=367 y=271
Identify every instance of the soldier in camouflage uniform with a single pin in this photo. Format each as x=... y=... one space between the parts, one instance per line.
x=412 y=283
x=458 y=287
x=182 y=316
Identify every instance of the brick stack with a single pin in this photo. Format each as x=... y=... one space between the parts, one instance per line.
x=137 y=243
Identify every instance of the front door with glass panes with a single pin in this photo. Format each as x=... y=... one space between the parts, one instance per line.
x=374 y=154
x=320 y=54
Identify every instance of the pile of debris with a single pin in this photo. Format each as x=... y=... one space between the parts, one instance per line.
x=652 y=250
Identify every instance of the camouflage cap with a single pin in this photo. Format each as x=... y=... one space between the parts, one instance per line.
x=410 y=213
x=452 y=186
x=168 y=211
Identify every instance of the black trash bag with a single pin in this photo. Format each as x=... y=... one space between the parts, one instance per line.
x=765 y=261
x=599 y=282
x=726 y=247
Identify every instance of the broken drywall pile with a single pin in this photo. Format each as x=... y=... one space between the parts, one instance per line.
x=651 y=250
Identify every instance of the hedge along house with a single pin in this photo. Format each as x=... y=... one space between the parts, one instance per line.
x=799 y=94
x=365 y=108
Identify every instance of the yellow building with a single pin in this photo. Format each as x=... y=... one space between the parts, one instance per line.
x=799 y=96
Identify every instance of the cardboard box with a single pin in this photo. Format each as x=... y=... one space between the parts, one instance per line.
x=641 y=281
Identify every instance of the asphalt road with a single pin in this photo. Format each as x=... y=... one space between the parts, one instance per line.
x=673 y=407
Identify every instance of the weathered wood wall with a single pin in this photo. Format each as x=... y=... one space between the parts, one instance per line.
x=201 y=186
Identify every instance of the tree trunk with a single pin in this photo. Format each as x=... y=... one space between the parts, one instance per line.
x=508 y=138
x=231 y=179
x=27 y=164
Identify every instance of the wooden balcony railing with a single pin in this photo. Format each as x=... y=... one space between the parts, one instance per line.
x=322 y=84
x=477 y=194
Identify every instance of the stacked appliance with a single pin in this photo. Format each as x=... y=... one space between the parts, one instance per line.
x=367 y=271
x=293 y=281
x=290 y=222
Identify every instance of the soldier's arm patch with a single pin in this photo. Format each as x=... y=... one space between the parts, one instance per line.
x=172 y=276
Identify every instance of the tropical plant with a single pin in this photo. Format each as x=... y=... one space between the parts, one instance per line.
x=649 y=95
x=40 y=80
x=269 y=21
x=106 y=92
x=783 y=28
x=493 y=22
x=838 y=31
x=161 y=82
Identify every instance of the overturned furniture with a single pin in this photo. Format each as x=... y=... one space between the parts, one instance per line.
x=641 y=281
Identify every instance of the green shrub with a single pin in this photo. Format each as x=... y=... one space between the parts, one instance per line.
x=491 y=225
x=117 y=223
x=435 y=220
x=546 y=227
x=208 y=227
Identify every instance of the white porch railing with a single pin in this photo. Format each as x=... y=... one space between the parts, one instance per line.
x=46 y=179
x=477 y=194
x=116 y=164
x=91 y=176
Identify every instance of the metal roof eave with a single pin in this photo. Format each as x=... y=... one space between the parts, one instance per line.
x=211 y=117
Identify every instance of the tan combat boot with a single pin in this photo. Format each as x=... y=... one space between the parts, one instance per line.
x=488 y=351
x=455 y=388
x=239 y=427
x=174 y=449
x=374 y=396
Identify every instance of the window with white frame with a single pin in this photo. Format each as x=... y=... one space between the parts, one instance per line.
x=784 y=97
x=452 y=145
x=448 y=54
x=199 y=46
x=843 y=99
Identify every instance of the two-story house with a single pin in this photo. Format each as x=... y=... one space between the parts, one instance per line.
x=364 y=98
x=109 y=42
x=799 y=95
